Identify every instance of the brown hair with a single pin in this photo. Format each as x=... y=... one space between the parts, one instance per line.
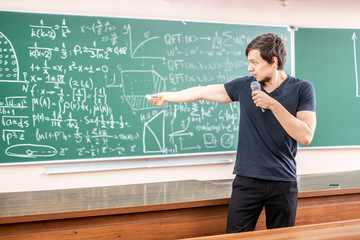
x=270 y=45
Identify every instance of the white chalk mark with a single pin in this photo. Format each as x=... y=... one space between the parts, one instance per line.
x=355 y=60
x=153 y=135
x=30 y=151
x=182 y=132
x=187 y=148
x=209 y=140
x=137 y=83
x=16 y=60
x=227 y=140
x=132 y=53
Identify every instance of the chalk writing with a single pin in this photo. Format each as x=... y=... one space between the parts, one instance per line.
x=75 y=87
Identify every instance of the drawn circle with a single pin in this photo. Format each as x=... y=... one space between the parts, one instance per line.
x=227 y=140
x=29 y=152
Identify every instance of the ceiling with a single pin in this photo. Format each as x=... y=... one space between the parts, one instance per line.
x=301 y=13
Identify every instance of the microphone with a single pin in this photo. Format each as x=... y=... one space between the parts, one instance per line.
x=255 y=86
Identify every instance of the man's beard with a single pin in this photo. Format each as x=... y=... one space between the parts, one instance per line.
x=264 y=80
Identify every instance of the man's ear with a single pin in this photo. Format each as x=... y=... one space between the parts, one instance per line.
x=274 y=62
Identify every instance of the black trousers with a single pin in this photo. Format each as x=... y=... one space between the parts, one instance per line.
x=250 y=195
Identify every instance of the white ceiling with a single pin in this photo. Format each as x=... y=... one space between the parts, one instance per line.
x=301 y=13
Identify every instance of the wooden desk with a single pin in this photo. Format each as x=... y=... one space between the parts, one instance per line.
x=143 y=211
x=170 y=210
x=335 y=230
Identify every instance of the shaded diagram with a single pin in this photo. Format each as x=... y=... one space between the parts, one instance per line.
x=154 y=134
x=9 y=72
x=137 y=83
x=9 y=65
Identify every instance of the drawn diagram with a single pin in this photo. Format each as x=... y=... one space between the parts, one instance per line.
x=209 y=140
x=154 y=134
x=9 y=65
x=227 y=140
x=142 y=44
x=137 y=83
x=30 y=151
x=181 y=134
x=354 y=38
x=111 y=81
x=182 y=147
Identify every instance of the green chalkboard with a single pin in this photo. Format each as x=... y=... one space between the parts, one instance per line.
x=329 y=58
x=74 y=87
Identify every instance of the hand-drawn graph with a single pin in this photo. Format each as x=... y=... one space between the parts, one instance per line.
x=137 y=83
x=154 y=134
x=133 y=53
x=9 y=66
x=181 y=134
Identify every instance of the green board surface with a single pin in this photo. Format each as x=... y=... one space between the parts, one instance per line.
x=74 y=87
x=329 y=58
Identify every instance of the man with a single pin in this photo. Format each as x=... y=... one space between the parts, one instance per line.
x=272 y=121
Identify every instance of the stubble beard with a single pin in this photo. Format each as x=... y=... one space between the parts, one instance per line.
x=264 y=80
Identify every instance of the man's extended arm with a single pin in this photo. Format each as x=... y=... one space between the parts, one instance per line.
x=215 y=93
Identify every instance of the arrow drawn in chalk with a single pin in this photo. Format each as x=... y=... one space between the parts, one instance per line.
x=181 y=132
x=187 y=148
x=354 y=38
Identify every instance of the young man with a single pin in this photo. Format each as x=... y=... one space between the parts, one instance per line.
x=272 y=121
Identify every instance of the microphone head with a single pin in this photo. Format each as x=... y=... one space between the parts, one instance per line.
x=255 y=86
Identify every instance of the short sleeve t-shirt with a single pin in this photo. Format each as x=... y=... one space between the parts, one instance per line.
x=265 y=150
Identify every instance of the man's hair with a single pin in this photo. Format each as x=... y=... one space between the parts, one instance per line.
x=270 y=45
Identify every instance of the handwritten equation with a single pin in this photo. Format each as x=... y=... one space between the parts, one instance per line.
x=75 y=87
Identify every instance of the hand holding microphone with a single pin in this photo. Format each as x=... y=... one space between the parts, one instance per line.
x=255 y=86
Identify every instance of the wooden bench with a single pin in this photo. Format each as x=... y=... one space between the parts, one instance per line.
x=335 y=230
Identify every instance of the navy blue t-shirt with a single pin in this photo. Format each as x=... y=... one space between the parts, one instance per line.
x=265 y=150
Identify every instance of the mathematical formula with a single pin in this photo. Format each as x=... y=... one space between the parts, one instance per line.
x=76 y=88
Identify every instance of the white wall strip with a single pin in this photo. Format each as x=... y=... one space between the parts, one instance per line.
x=133 y=164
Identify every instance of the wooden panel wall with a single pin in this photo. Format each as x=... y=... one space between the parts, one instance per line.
x=180 y=221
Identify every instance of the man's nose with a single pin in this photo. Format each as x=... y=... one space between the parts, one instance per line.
x=250 y=68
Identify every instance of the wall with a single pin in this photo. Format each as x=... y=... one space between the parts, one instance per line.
x=324 y=13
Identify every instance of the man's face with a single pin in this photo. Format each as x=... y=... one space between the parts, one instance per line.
x=261 y=69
